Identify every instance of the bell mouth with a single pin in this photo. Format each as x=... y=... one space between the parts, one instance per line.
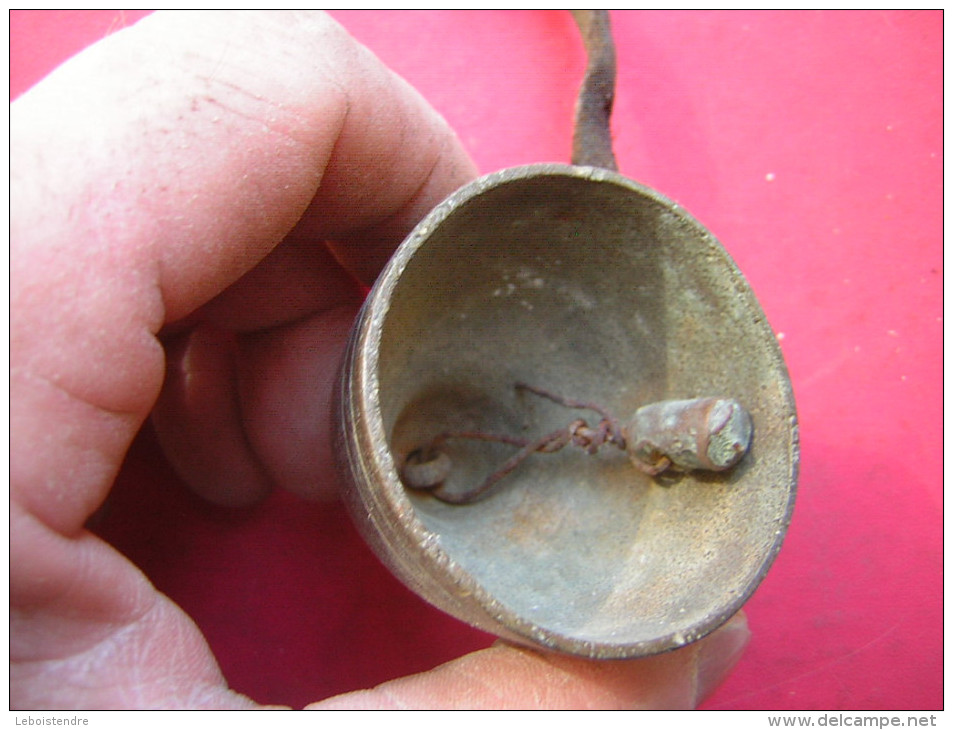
x=587 y=284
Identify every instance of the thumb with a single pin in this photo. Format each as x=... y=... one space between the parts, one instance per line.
x=516 y=678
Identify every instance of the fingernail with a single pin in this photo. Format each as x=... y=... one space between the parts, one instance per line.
x=718 y=654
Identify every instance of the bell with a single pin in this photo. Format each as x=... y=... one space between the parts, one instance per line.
x=563 y=416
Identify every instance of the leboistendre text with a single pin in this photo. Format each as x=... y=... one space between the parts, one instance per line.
x=42 y=720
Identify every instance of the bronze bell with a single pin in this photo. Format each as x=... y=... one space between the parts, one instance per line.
x=542 y=307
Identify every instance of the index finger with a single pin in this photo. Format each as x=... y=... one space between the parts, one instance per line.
x=151 y=172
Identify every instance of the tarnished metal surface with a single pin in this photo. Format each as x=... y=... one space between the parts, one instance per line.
x=701 y=433
x=582 y=282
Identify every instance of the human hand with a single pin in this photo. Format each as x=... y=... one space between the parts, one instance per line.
x=170 y=188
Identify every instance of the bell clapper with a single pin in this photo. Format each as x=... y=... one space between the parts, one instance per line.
x=710 y=434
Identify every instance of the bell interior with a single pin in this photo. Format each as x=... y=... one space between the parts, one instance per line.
x=597 y=289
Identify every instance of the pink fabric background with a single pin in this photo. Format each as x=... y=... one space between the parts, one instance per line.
x=810 y=143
